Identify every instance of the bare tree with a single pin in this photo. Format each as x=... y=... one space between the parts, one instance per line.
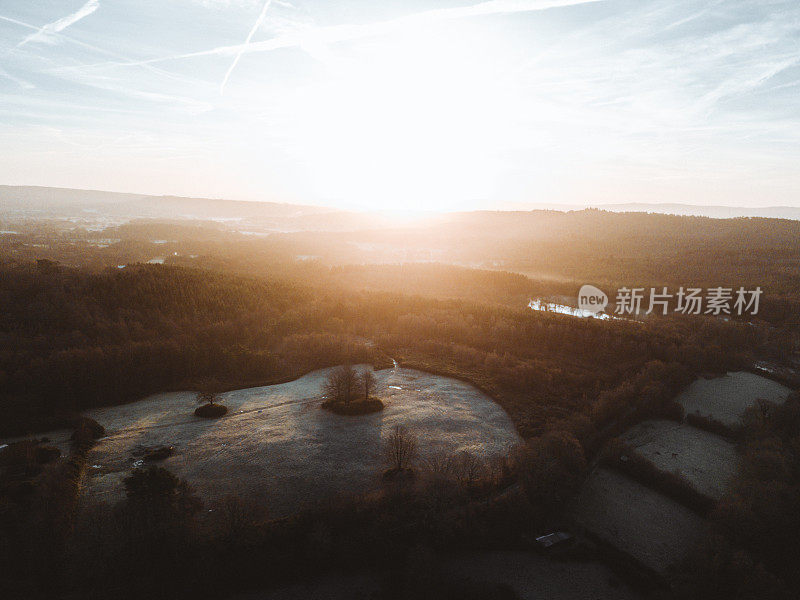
x=207 y=397
x=368 y=381
x=400 y=449
x=467 y=468
x=341 y=384
x=439 y=464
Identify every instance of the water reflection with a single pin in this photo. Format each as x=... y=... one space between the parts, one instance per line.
x=566 y=310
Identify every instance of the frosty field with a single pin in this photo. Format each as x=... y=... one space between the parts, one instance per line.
x=726 y=398
x=531 y=576
x=705 y=460
x=278 y=446
x=655 y=530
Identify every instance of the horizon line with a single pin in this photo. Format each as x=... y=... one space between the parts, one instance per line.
x=533 y=205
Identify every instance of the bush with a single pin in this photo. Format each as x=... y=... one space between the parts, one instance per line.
x=354 y=408
x=46 y=454
x=27 y=455
x=159 y=453
x=716 y=570
x=86 y=431
x=400 y=450
x=211 y=411
x=19 y=455
x=553 y=468
x=710 y=425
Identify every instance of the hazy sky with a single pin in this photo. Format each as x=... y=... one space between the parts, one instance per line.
x=407 y=103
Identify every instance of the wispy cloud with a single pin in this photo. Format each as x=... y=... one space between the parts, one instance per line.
x=255 y=27
x=342 y=33
x=83 y=73
x=25 y=85
x=700 y=99
x=45 y=33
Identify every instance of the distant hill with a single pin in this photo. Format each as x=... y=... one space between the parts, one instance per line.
x=48 y=202
x=716 y=212
x=66 y=202
x=48 y=199
x=673 y=208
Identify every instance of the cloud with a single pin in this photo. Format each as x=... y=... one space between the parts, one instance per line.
x=313 y=36
x=26 y=85
x=45 y=33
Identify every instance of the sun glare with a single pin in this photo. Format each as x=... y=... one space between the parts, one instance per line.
x=413 y=122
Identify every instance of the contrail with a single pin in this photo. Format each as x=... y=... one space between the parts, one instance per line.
x=341 y=33
x=246 y=44
x=20 y=82
x=20 y=23
x=125 y=60
x=63 y=23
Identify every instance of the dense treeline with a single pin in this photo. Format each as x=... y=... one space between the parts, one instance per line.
x=561 y=251
x=73 y=339
x=157 y=543
x=38 y=504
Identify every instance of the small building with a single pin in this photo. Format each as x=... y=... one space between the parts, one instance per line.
x=553 y=539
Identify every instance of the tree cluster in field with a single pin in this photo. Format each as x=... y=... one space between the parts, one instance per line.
x=163 y=541
x=76 y=340
x=210 y=408
x=348 y=392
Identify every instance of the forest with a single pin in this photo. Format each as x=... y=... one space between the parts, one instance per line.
x=558 y=252
x=85 y=322
x=74 y=340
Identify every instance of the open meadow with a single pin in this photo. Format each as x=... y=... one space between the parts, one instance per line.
x=278 y=446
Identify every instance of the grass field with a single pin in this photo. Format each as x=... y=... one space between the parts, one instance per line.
x=707 y=461
x=277 y=446
x=530 y=576
x=650 y=527
x=726 y=398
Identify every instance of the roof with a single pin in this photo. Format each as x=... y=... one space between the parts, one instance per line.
x=551 y=539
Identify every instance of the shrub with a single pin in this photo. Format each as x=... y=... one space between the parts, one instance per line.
x=553 y=467
x=159 y=453
x=160 y=494
x=26 y=457
x=400 y=450
x=86 y=431
x=20 y=456
x=46 y=454
x=710 y=425
x=211 y=411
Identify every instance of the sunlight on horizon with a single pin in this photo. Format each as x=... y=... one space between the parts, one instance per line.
x=416 y=122
x=446 y=105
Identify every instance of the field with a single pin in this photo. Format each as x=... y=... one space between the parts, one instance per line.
x=705 y=460
x=278 y=446
x=726 y=398
x=531 y=576
x=655 y=530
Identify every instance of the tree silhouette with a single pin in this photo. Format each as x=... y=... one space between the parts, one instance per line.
x=368 y=382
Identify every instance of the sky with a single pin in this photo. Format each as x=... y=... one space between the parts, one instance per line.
x=406 y=104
